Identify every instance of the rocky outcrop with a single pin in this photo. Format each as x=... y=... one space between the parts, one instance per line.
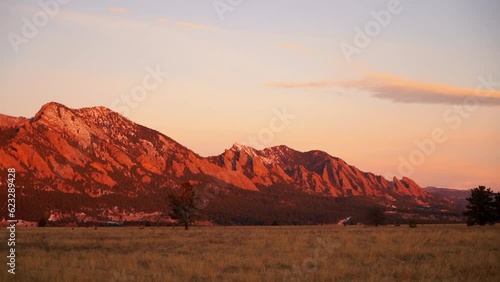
x=314 y=172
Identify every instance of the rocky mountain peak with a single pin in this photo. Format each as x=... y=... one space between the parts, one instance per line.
x=50 y=109
x=98 y=113
x=280 y=149
x=60 y=111
x=244 y=148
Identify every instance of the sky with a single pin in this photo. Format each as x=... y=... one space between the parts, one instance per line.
x=397 y=88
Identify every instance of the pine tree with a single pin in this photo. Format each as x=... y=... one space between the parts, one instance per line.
x=481 y=208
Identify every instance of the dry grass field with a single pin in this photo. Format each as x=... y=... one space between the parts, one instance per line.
x=302 y=253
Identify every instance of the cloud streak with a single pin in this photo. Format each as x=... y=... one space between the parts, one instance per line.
x=308 y=84
x=191 y=25
x=402 y=90
x=118 y=10
x=98 y=22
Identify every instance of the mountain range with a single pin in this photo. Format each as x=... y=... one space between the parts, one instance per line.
x=91 y=157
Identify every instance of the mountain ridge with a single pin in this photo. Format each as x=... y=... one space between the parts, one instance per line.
x=95 y=151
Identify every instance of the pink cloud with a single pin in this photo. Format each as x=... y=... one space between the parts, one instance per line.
x=118 y=10
x=403 y=90
x=191 y=25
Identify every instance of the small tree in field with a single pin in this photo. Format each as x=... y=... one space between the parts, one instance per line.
x=185 y=205
x=481 y=208
x=412 y=224
x=375 y=216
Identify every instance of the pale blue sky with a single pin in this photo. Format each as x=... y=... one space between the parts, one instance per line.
x=222 y=78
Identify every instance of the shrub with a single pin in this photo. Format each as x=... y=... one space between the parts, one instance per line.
x=43 y=222
x=470 y=222
x=412 y=224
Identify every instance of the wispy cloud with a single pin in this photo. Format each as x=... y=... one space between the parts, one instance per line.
x=162 y=20
x=295 y=47
x=92 y=21
x=118 y=10
x=403 y=90
x=191 y=25
x=307 y=84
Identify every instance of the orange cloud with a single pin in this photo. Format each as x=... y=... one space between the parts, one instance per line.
x=118 y=10
x=162 y=20
x=403 y=90
x=295 y=47
x=191 y=25
x=299 y=84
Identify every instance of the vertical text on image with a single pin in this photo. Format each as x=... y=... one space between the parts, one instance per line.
x=11 y=208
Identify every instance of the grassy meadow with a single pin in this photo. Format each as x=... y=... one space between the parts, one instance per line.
x=281 y=253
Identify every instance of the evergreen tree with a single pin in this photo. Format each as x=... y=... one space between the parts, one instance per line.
x=481 y=208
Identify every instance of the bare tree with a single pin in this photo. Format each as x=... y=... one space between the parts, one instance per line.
x=185 y=205
x=375 y=216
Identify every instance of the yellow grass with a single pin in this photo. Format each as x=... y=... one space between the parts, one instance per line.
x=305 y=253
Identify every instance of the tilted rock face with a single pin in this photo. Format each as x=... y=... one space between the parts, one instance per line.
x=96 y=151
x=314 y=171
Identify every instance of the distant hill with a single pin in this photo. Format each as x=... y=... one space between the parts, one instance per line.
x=457 y=196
